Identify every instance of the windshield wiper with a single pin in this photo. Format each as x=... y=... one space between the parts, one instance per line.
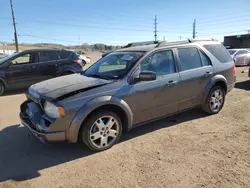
x=98 y=76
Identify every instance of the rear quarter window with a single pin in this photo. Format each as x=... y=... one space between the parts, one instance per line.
x=219 y=52
x=64 y=54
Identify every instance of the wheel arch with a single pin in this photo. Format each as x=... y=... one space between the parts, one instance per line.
x=116 y=105
x=218 y=80
x=4 y=83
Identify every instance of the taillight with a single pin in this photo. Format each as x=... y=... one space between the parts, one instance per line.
x=79 y=61
x=233 y=70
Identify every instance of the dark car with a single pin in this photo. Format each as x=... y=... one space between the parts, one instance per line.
x=152 y=82
x=28 y=67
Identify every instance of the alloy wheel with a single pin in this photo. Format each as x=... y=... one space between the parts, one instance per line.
x=104 y=131
x=216 y=100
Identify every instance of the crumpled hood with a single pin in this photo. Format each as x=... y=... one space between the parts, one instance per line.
x=64 y=85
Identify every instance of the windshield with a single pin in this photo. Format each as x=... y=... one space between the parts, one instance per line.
x=113 y=66
x=232 y=51
x=7 y=58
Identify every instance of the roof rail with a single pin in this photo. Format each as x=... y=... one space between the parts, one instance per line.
x=197 y=40
x=165 y=43
x=179 y=42
x=140 y=43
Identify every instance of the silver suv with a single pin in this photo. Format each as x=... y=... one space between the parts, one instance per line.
x=129 y=87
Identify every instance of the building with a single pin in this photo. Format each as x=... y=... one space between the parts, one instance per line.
x=237 y=41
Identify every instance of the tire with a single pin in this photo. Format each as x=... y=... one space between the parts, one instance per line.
x=214 y=106
x=97 y=135
x=83 y=63
x=2 y=88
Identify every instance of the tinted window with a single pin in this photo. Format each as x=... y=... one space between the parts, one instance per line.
x=219 y=52
x=232 y=51
x=48 y=56
x=162 y=63
x=74 y=56
x=204 y=59
x=64 y=54
x=189 y=58
x=240 y=52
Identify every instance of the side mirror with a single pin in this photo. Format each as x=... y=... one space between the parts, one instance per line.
x=146 y=76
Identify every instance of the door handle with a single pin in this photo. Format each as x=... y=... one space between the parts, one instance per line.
x=171 y=82
x=207 y=74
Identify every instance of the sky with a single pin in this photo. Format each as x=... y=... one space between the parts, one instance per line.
x=116 y=22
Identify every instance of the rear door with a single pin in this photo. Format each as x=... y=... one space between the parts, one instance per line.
x=195 y=72
x=46 y=68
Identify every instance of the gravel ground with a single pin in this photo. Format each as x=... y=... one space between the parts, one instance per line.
x=187 y=150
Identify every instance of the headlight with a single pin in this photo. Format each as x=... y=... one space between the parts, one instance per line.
x=53 y=111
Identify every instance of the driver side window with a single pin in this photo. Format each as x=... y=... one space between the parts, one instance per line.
x=22 y=59
x=162 y=63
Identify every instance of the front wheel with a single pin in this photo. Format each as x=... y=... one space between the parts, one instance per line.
x=101 y=131
x=215 y=100
x=1 y=88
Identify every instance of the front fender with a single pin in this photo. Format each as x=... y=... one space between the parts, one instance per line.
x=82 y=114
x=210 y=84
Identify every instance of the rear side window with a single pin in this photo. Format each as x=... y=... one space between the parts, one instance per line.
x=64 y=54
x=241 y=52
x=204 y=59
x=219 y=52
x=73 y=56
x=189 y=58
x=48 y=56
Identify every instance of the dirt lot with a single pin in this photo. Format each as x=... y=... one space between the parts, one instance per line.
x=187 y=150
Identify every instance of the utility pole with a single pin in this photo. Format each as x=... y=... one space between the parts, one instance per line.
x=14 y=24
x=194 y=27
x=155 y=28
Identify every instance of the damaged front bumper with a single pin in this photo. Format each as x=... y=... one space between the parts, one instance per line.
x=32 y=117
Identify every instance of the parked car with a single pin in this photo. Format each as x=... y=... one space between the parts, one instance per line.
x=84 y=58
x=240 y=56
x=2 y=55
x=23 y=69
x=156 y=81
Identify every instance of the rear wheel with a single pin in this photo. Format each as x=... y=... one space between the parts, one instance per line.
x=1 y=88
x=215 y=100
x=101 y=131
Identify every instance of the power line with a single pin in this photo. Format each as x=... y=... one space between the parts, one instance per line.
x=225 y=23
x=239 y=14
x=48 y=38
x=89 y=26
x=222 y=33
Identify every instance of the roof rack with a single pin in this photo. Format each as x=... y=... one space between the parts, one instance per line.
x=140 y=43
x=179 y=42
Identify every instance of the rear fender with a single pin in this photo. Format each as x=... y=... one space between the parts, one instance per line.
x=210 y=84
x=67 y=69
x=82 y=114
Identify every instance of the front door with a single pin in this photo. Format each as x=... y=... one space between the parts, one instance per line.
x=21 y=71
x=195 y=72
x=154 y=99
